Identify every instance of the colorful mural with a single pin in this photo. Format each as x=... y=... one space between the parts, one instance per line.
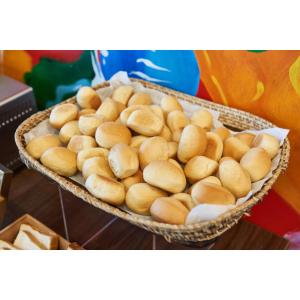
x=266 y=83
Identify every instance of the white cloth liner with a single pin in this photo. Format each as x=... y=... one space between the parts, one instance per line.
x=201 y=212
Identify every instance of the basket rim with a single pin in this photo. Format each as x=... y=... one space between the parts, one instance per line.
x=133 y=218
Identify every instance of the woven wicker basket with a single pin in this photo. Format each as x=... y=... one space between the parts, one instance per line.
x=204 y=231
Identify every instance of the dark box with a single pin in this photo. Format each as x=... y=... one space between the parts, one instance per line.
x=17 y=103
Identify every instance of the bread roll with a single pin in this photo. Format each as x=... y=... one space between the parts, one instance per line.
x=157 y=110
x=80 y=142
x=137 y=141
x=212 y=179
x=86 y=111
x=268 y=142
x=235 y=148
x=168 y=210
x=122 y=94
x=234 y=178
x=185 y=199
x=170 y=103
x=166 y=133
x=246 y=137
x=155 y=148
x=68 y=130
x=109 y=109
x=131 y=180
x=63 y=113
x=202 y=118
x=223 y=133
x=96 y=165
x=88 y=153
x=214 y=148
x=210 y=193
x=38 y=145
x=125 y=114
x=145 y=122
x=123 y=160
x=60 y=160
x=89 y=123
x=225 y=158
x=176 y=135
x=87 y=97
x=199 y=167
x=140 y=98
x=165 y=175
x=257 y=163
x=106 y=189
x=177 y=120
x=176 y=164
x=140 y=197
x=172 y=149
x=192 y=142
x=109 y=134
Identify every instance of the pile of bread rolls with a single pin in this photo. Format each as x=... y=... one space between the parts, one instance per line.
x=153 y=158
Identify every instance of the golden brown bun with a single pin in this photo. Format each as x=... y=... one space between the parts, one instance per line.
x=122 y=94
x=80 y=142
x=168 y=210
x=157 y=110
x=234 y=178
x=123 y=160
x=165 y=175
x=192 y=142
x=177 y=120
x=166 y=133
x=170 y=103
x=140 y=197
x=96 y=165
x=176 y=135
x=155 y=148
x=109 y=109
x=235 y=148
x=110 y=133
x=185 y=199
x=225 y=158
x=86 y=111
x=145 y=122
x=136 y=178
x=172 y=149
x=68 y=130
x=246 y=137
x=268 y=142
x=214 y=148
x=223 y=133
x=88 y=153
x=257 y=163
x=210 y=193
x=89 y=123
x=212 y=179
x=137 y=141
x=106 y=189
x=125 y=114
x=38 y=145
x=199 y=167
x=202 y=118
x=176 y=164
x=63 y=113
x=140 y=98
x=60 y=160
x=88 y=98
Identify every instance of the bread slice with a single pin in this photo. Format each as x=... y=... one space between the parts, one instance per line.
x=26 y=241
x=50 y=242
x=7 y=246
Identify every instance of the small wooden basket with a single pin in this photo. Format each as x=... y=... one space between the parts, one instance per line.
x=230 y=117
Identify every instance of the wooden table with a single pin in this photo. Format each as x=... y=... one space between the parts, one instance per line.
x=35 y=194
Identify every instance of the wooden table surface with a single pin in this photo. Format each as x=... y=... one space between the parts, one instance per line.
x=35 y=194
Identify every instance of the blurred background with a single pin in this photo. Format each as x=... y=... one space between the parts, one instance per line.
x=266 y=83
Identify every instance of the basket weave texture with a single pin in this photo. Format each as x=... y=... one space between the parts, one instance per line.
x=230 y=117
